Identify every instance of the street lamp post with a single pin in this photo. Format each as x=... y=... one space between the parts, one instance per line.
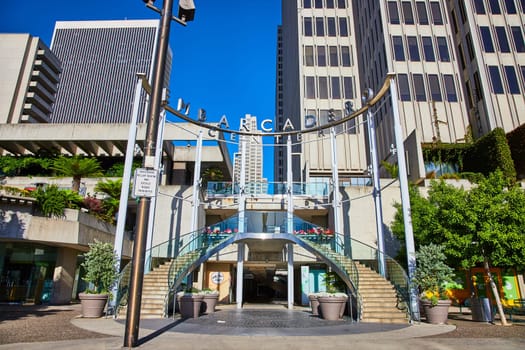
x=139 y=247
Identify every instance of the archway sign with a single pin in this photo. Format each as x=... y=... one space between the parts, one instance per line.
x=288 y=127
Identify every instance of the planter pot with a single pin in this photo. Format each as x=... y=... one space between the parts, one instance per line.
x=93 y=304
x=331 y=307
x=314 y=304
x=190 y=306
x=209 y=301
x=437 y=314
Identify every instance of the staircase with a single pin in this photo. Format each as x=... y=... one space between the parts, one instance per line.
x=379 y=298
x=155 y=287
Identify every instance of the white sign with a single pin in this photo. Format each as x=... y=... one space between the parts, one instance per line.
x=217 y=277
x=145 y=183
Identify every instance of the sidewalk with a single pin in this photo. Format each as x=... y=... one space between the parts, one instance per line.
x=202 y=333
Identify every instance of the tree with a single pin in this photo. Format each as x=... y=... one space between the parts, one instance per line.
x=77 y=167
x=483 y=226
x=111 y=203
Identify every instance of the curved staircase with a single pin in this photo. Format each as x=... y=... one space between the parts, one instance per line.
x=379 y=297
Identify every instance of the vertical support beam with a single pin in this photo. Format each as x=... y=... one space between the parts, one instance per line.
x=376 y=193
x=405 y=202
x=241 y=212
x=153 y=207
x=338 y=235
x=289 y=221
x=196 y=192
x=124 y=190
x=131 y=333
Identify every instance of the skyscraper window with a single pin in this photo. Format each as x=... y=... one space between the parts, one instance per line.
x=495 y=79
x=336 y=88
x=321 y=56
x=450 y=88
x=413 y=48
x=393 y=12
x=486 y=38
x=319 y=26
x=346 y=59
x=323 y=88
x=404 y=87
x=422 y=14
x=309 y=56
x=348 y=85
x=419 y=87
x=494 y=7
x=502 y=39
x=517 y=36
x=512 y=80
x=479 y=6
x=444 y=54
x=510 y=6
x=435 y=90
x=331 y=26
x=310 y=87
x=399 y=50
x=428 y=49
x=334 y=58
x=437 y=16
x=343 y=26
x=308 y=29
x=408 y=15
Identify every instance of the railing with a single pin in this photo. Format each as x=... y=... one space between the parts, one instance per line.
x=394 y=272
x=314 y=189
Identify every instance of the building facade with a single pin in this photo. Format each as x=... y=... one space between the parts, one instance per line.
x=100 y=60
x=459 y=70
x=29 y=75
x=251 y=147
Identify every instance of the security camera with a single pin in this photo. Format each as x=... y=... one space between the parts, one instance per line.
x=186 y=10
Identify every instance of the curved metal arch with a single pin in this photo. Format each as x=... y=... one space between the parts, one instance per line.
x=239 y=237
x=382 y=92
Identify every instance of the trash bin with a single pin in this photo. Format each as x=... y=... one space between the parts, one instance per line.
x=481 y=310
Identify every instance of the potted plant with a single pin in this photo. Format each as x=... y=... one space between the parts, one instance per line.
x=209 y=300
x=100 y=272
x=431 y=276
x=190 y=303
x=332 y=303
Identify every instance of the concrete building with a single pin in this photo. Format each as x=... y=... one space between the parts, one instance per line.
x=489 y=37
x=251 y=147
x=100 y=62
x=458 y=66
x=29 y=75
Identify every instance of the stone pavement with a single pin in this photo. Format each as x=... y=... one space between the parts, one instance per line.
x=269 y=328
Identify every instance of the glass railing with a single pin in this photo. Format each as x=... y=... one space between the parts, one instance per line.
x=314 y=189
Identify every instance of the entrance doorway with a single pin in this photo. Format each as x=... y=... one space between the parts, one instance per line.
x=265 y=283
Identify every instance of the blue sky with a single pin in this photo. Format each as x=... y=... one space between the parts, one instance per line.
x=224 y=61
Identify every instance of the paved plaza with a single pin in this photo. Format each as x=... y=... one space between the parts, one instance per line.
x=257 y=327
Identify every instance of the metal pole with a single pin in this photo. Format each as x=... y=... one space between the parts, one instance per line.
x=335 y=200
x=137 y=272
x=153 y=207
x=376 y=193
x=124 y=190
x=241 y=211
x=289 y=221
x=196 y=190
x=405 y=201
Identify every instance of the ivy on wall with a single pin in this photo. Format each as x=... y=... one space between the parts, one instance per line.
x=516 y=141
x=484 y=156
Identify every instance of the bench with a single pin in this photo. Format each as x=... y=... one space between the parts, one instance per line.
x=517 y=308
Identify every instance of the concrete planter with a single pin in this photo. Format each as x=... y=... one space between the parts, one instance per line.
x=209 y=301
x=314 y=304
x=436 y=314
x=93 y=304
x=190 y=305
x=332 y=307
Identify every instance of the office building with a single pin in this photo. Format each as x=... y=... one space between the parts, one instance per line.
x=29 y=74
x=252 y=149
x=100 y=60
x=459 y=72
